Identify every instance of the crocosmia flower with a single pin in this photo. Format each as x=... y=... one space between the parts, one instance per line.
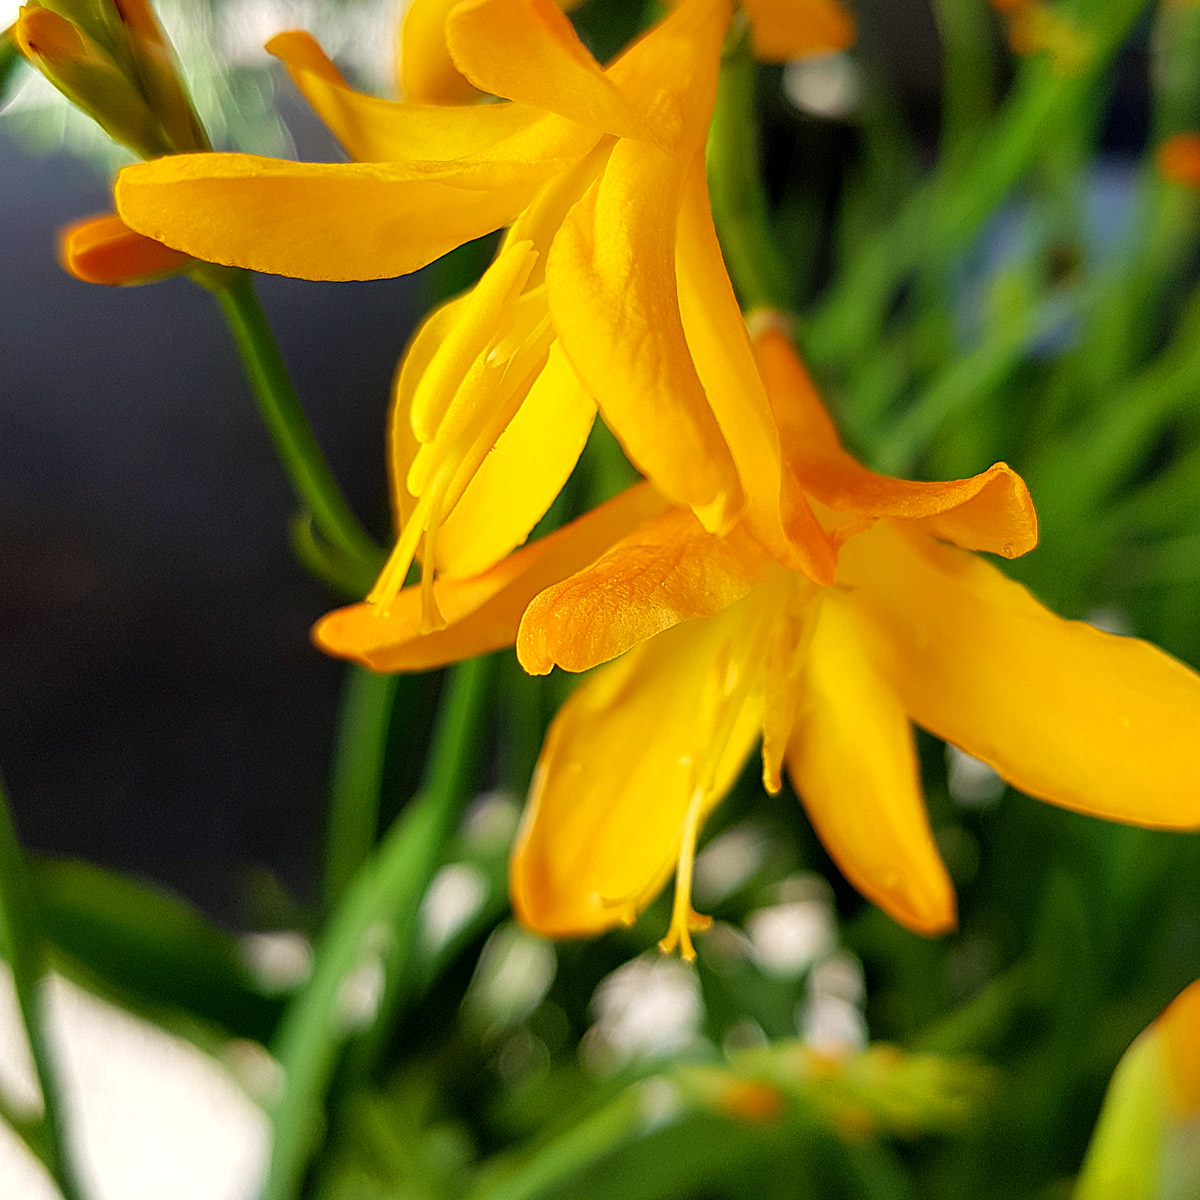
x=608 y=292
x=718 y=646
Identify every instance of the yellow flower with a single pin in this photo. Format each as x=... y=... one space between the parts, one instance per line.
x=609 y=290
x=1146 y=1145
x=720 y=646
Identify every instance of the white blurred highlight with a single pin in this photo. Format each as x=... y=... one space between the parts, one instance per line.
x=279 y=962
x=829 y=86
x=971 y=782
x=149 y=1115
x=649 y=1008
x=788 y=938
x=728 y=862
x=453 y=898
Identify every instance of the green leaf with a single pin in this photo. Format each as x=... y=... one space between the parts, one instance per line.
x=150 y=948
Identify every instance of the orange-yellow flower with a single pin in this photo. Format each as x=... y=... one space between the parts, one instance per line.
x=1145 y=1145
x=609 y=290
x=720 y=646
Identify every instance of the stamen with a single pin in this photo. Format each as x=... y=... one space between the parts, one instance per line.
x=684 y=918
x=737 y=674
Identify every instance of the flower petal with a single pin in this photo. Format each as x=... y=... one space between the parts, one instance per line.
x=523 y=474
x=781 y=30
x=104 y=249
x=617 y=774
x=851 y=759
x=610 y=280
x=777 y=513
x=481 y=613
x=1101 y=724
x=323 y=220
x=991 y=511
x=667 y=571
x=376 y=130
x=543 y=64
x=425 y=72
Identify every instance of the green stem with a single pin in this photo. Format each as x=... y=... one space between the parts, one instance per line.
x=739 y=204
x=942 y=216
x=310 y=476
x=597 y=1135
x=968 y=74
x=27 y=960
x=357 y=777
x=449 y=774
x=10 y=59
x=378 y=909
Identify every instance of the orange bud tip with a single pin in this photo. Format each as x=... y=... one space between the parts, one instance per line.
x=1178 y=159
x=752 y=1102
x=44 y=34
x=104 y=249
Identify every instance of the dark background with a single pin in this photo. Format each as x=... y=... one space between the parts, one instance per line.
x=161 y=708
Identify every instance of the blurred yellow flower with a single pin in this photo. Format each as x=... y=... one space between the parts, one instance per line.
x=1147 y=1141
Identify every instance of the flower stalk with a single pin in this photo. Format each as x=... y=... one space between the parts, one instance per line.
x=739 y=201
x=26 y=956
x=294 y=442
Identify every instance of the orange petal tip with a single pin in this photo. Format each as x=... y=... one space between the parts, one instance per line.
x=104 y=249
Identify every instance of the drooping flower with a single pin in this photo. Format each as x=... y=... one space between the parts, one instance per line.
x=609 y=290
x=1146 y=1145
x=717 y=645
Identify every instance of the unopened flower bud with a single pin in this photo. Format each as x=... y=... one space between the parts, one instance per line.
x=158 y=74
x=90 y=78
x=104 y=249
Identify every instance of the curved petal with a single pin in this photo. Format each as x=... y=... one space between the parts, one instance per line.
x=522 y=475
x=776 y=511
x=376 y=130
x=1101 y=724
x=665 y=572
x=618 y=772
x=1179 y=1028
x=669 y=74
x=781 y=30
x=851 y=759
x=610 y=280
x=321 y=220
x=402 y=441
x=481 y=613
x=787 y=653
x=991 y=511
x=543 y=64
x=425 y=72
x=104 y=249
